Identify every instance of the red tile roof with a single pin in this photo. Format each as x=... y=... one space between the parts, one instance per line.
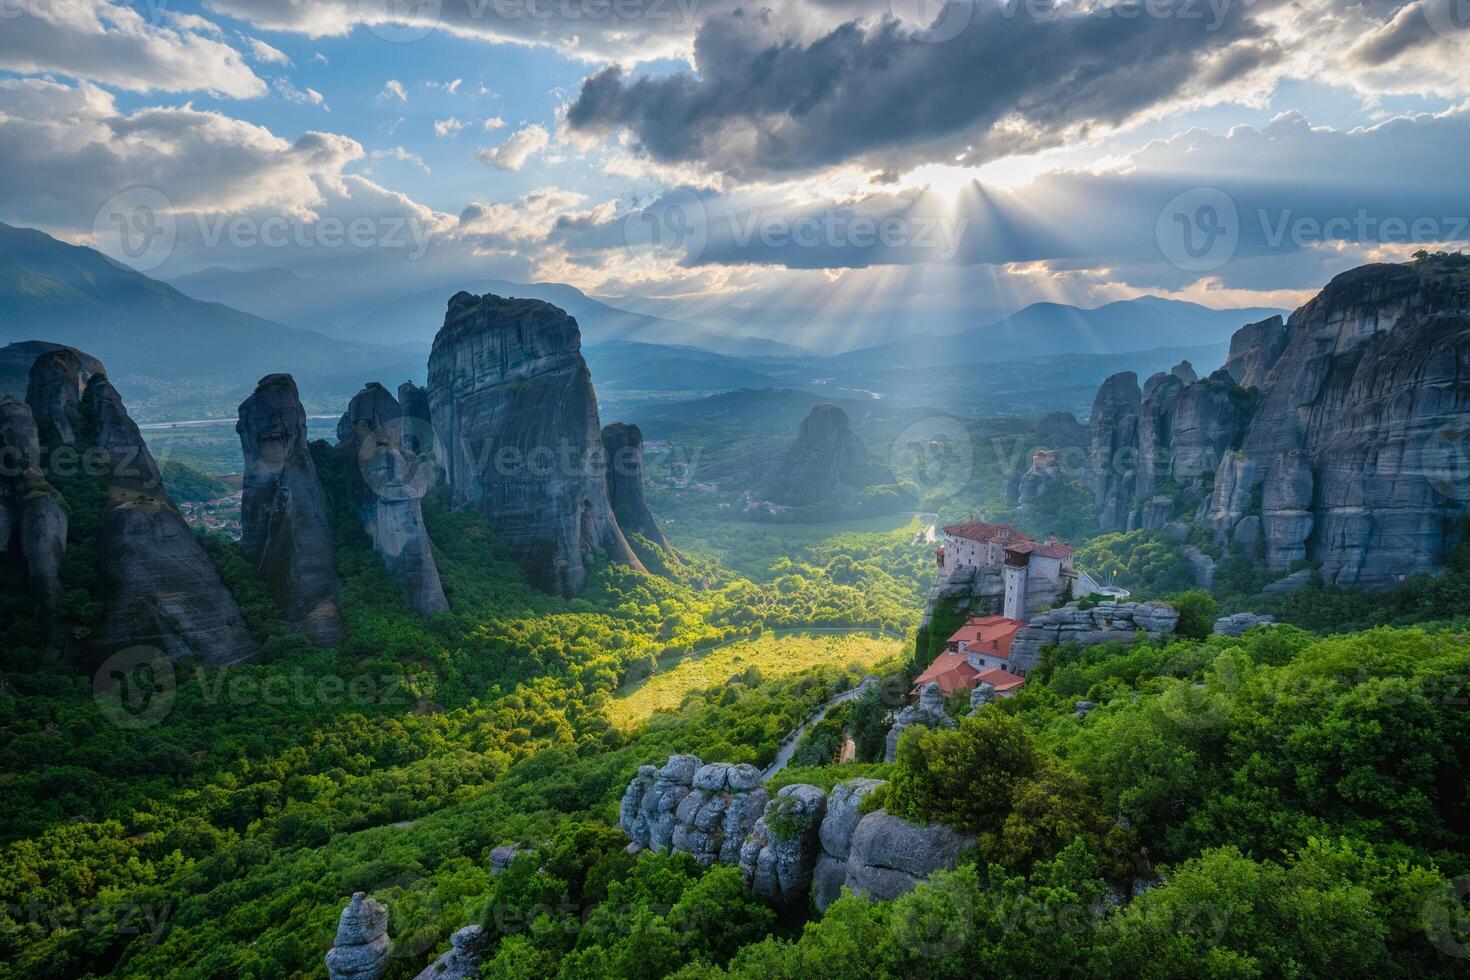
x=999 y=679
x=954 y=672
x=988 y=635
x=1014 y=540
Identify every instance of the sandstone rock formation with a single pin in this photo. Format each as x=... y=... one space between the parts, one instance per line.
x=462 y=962
x=33 y=522
x=622 y=443
x=386 y=482
x=360 y=951
x=286 y=534
x=58 y=379
x=844 y=804
x=780 y=855
x=803 y=842
x=685 y=805
x=827 y=463
x=889 y=856
x=16 y=360
x=1239 y=623
x=1108 y=622
x=513 y=407
x=927 y=712
x=158 y=586
x=1335 y=438
x=1254 y=350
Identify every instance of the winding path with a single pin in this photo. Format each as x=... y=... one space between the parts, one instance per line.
x=788 y=747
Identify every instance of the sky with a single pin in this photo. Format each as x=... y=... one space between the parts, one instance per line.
x=821 y=171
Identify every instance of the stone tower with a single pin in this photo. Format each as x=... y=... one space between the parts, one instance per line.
x=1016 y=570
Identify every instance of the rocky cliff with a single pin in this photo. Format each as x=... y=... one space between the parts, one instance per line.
x=827 y=463
x=157 y=585
x=16 y=360
x=1109 y=622
x=802 y=844
x=57 y=380
x=514 y=410
x=386 y=483
x=286 y=534
x=33 y=522
x=1254 y=350
x=360 y=949
x=622 y=443
x=1113 y=461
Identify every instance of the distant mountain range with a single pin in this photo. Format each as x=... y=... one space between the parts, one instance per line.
x=1043 y=329
x=149 y=334
x=280 y=293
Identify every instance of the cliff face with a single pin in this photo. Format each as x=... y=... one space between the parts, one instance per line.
x=623 y=445
x=516 y=416
x=33 y=523
x=386 y=483
x=1357 y=446
x=1336 y=438
x=285 y=531
x=57 y=380
x=158 y=586
x=827 y=463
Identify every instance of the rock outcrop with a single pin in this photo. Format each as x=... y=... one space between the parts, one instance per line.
x=33 y=522
x=803 y=842
x=386 y=482
x=780 y=855
x=1335 y=439
x=157 y=585
x=698 y=809
x=1254 y=350
x=827 y=464
x=1108 y=622
x=926 y=712
x=16 y=360
x=462 y=962
x=1238 y=624
x=286 y=534
x=57 y=381
x=360 y=951
x=514 y=410
x=844 y=811
x=622 y=445
x=889 y=856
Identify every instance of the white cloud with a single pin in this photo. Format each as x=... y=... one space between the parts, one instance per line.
x=493 y=123
x=451 y=88
x=98 y=41
x=517 y=149
x=264 y=53
x=448 y=127
x=401 y=155
x=288 y=91
x=319 y=59
x=393 y=89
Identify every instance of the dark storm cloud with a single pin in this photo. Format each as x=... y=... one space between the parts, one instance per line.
x=879 y=93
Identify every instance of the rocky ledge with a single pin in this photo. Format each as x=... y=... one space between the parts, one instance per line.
x=360 y=951
x=803 y=843
x=1108 y=622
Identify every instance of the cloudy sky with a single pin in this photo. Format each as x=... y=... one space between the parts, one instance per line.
x=802 y=169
